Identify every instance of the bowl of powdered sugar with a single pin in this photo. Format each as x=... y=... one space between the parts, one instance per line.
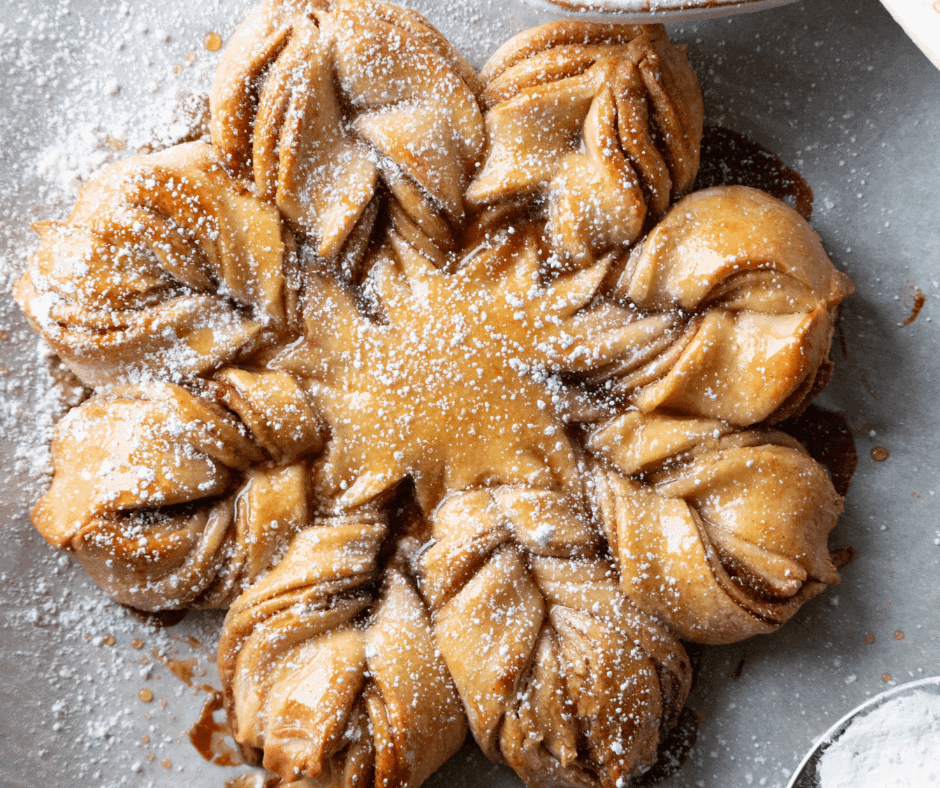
x=891 y=741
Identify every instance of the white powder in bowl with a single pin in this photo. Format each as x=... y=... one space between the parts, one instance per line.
x=895 y=746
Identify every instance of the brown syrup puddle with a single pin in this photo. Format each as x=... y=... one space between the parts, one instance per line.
x=208 y=736
x=828 y=439
x=843 y=556
x=730 y=158
x=739 y=669
x=183 y=669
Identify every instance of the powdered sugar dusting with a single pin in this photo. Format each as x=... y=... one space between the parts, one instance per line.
x=113 y=80
x=84 y=84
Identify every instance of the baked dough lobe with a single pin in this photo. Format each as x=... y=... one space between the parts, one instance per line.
x=599 y=124
x=336 y=107
x=720 y=534
x=561 y=676
x=167 y=500
x=335 y=678
x=167 y=268
x=761 y=299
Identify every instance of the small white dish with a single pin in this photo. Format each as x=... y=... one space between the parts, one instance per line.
x=805 y=775
x=921 y=21
x=647 y=11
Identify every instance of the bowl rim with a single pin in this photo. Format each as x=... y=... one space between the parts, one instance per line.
x=838 y=728
x=648 y=11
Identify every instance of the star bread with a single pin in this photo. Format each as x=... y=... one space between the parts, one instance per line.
x=447 y=389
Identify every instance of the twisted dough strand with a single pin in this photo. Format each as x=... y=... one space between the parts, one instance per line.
x=561 y=676
x=758 y=297
x=329 y=105
x=164 y=497
x=719 y=534
x=602 y=122
x=340 y=687
x=166 y=268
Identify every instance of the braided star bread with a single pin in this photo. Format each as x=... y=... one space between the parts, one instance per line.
x=470 y=452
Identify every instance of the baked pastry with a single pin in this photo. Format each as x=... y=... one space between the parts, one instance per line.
x=758 y=306
x=168 y=267
x=485 y=478
x=600 y=123
x=335 y=106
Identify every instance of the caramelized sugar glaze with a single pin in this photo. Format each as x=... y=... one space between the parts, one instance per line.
x=490 y=301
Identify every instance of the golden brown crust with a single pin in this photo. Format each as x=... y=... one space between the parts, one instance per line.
x=423 y=387
x=602 y=123
x=332 y=105
x=718 y=534
x=556 y=34
x=167 y=267
x=762 y=297
x=155 y=494
x=337 y=684
x=541 y=643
